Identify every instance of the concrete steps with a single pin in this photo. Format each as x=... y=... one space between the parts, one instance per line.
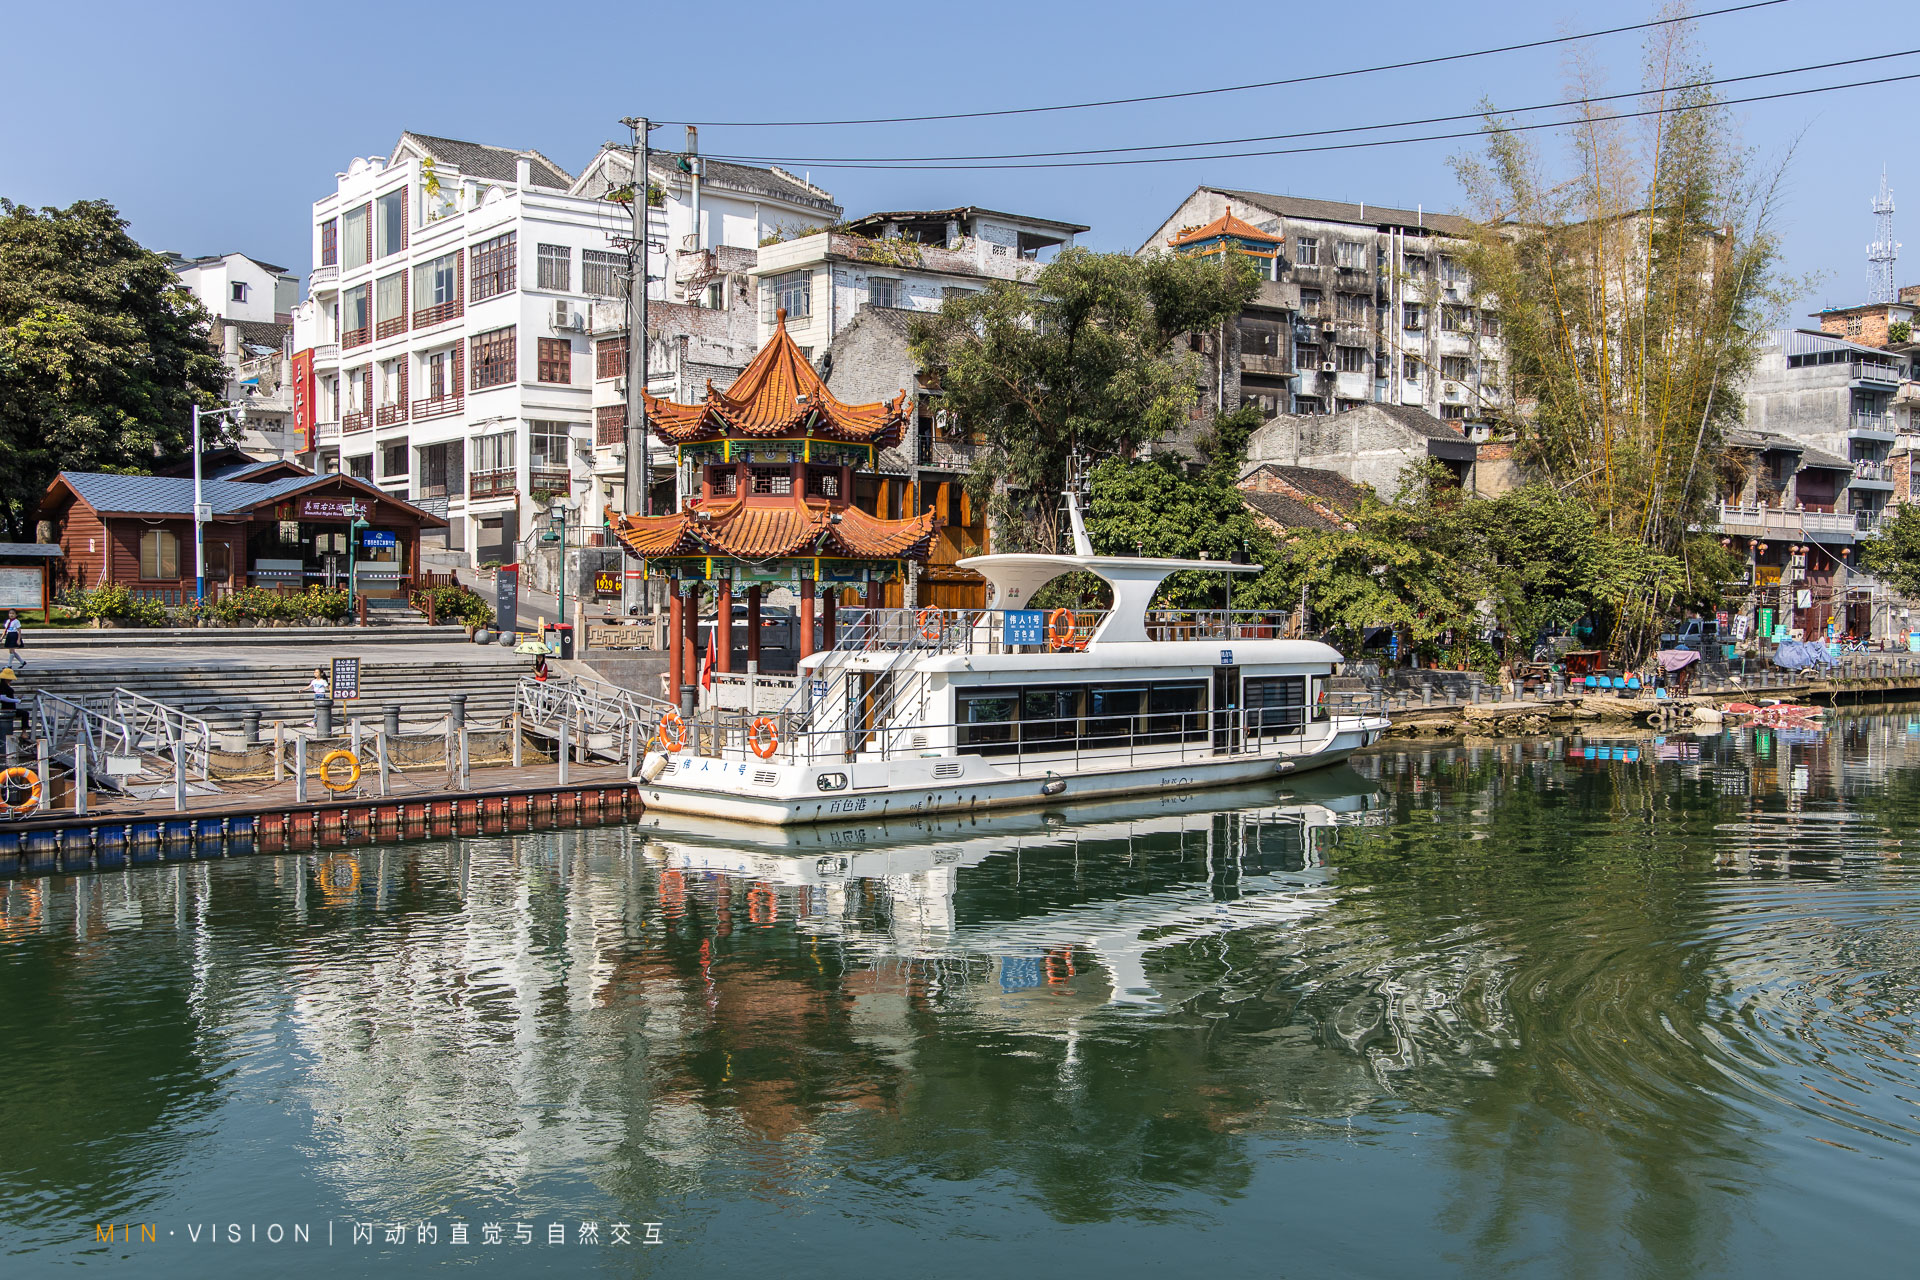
x=156 y=637
x=223 y=696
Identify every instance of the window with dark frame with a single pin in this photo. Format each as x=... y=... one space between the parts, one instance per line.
x=556 y=267
x=602 y=274
x=823 y=482
x=436 y=290
x=1352 y=359
x=556 y=360
x=610 y=358
x=490 y=356
x=775 y=480
x=493 y=267
x=390 y=223
x=1306 y=251
x=356 y=231
x=393 y=460
x=330 y=243
x=159 y=555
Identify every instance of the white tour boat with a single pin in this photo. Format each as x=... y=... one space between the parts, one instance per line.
x=952 y=710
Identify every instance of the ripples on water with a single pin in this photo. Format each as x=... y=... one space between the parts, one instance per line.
x=1624 y=1007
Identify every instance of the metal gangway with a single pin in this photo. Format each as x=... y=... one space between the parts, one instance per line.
x=130 y=738
x=595 y=714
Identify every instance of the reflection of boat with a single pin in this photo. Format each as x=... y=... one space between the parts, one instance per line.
x=1264 y=866
x=941 y=711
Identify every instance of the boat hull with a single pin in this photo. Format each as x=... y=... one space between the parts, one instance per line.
x=740 y=792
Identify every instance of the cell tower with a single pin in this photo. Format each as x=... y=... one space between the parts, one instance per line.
x=1883 y=251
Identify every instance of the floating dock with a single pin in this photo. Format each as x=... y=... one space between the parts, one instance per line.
x=503 y=801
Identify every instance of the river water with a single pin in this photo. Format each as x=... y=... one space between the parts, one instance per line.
x=1601 y=1008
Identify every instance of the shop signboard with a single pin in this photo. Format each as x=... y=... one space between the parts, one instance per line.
x=303 y=400
x=606 y=582
x=330 y=508
x=380 y=539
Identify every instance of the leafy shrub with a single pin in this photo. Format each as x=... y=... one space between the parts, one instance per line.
x=111 y=602
x=250 y=606
x=455 y=603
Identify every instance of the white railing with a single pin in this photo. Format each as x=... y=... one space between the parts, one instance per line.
x=587 y=703
x=1876 y=422
x=128 y=725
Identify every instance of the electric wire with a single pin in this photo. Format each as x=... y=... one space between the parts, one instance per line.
x=1436 y=60
x=1368 y=144
x=741 y=158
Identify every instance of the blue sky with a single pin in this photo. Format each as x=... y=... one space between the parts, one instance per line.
x=215 y=127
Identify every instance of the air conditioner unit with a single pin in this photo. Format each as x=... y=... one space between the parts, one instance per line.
x=1328 y=366
x=565 y=318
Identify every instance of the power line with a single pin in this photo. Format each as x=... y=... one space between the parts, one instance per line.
x=1395 y=142
x=1236 y=88
x=1319 y=133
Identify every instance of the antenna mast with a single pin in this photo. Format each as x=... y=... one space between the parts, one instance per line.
x=1883 y=251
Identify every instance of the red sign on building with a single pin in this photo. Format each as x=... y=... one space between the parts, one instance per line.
x=331 y=508
x=303 y=399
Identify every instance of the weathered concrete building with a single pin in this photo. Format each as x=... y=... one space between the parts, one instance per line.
x=252 y=304
x=1370 y=444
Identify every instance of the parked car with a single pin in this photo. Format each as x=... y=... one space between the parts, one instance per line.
x=1702 y=635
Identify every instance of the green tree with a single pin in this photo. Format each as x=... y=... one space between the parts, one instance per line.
x=102 y=353
x=1895 y=554
x=1082 y=360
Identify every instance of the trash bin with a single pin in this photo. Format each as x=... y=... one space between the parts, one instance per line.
x=565 y=631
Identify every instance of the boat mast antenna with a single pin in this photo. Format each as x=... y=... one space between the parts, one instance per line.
x=1079 y=489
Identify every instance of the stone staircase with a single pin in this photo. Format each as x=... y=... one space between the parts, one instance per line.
x=222 y=696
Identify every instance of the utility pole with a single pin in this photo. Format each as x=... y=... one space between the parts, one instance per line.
x=638 y=478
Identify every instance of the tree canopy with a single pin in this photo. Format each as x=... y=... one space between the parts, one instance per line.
x=1084 y=359
x=102 y=353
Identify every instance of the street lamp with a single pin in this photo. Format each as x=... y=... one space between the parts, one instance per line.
x=354 y=527
x=203 y=511
x=557 y=532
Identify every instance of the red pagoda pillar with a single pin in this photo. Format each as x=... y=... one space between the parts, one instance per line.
x=723 y=625
x=690 y=657
x=827 y=608
x=806 y=616
x=672 y=638
x=753 y=627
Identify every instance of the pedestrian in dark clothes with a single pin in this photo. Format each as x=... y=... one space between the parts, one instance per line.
x=11 y=710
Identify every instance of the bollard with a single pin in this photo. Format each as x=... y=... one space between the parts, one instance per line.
x=1426 y=694
x=464 y=779
x=363 y=609
x=322 y=719
x=391 y=714
x=250 y=727
x=458 y=701
x=80 y=776
x=279 y=752
x=179 y=777
x=380 y=749
x=299 y=769
x=566 y=747
x=513 y=727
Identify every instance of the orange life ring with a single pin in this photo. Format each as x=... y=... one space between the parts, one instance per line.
x=20 y=776
x=1060 y=628
x=764 y=747
x=672 y=731
x=921 y=620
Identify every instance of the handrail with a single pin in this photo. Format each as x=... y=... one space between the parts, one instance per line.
x=156 y=722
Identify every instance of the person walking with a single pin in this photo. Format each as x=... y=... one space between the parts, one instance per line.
x=15 y=639
x=318 y=688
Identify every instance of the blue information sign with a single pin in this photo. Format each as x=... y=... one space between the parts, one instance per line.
x=1226 y=657
x=379 y=538
x=1025 y=626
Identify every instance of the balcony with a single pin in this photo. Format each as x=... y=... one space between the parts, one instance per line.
x=558 y=479
x=439 y=313
x=1872 y=426
x=1828 y=526
x=326 y=353
x=390 y=328
x=1876 y=371
x=326 y=431
x=356 y=337
x=491 y=484
x=1269 y=366
x=388 y=414
x=351 y=422
x=1866 y=524
x=327 y=277
x=1872 y=475
x=436 y=407
x=1761 y=522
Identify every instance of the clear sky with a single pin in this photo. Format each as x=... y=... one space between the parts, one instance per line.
x=214 y=127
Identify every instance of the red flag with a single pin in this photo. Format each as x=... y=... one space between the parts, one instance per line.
x=706 y=671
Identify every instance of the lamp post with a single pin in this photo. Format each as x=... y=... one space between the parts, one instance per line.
x=354 y=526
x=557 y=532
x=202 y=510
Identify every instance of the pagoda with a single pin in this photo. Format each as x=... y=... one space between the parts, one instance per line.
x=1229 y=234
x=773 y=457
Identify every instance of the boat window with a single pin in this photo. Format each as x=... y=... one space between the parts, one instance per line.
x=1276 y=705
x=1176 y=711
x=1112 y=711
x=1048 y=716
x=986 y=721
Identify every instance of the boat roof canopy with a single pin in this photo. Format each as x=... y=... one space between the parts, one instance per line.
x=1016 y=578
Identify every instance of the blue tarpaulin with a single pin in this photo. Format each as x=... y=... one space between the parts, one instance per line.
x=1798 y=655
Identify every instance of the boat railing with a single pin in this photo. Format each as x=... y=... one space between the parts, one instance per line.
x=1027 y=746
x=991 y=631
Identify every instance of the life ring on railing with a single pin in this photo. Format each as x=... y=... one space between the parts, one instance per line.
x=15 y=779
x=326 y=770
x=928 y=620
x=672 y=731
x=764 y=738
x=1060 y=628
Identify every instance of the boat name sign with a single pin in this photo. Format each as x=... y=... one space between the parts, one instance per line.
x=1025 y=626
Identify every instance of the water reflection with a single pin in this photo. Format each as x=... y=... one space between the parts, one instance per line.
x=1632 y=996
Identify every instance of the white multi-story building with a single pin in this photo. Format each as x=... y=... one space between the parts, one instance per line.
x=251 y=304
x=446 y=322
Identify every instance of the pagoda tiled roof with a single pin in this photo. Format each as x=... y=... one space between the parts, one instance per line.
x=786 y=526
x=778 y=395
x=1225 y=225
